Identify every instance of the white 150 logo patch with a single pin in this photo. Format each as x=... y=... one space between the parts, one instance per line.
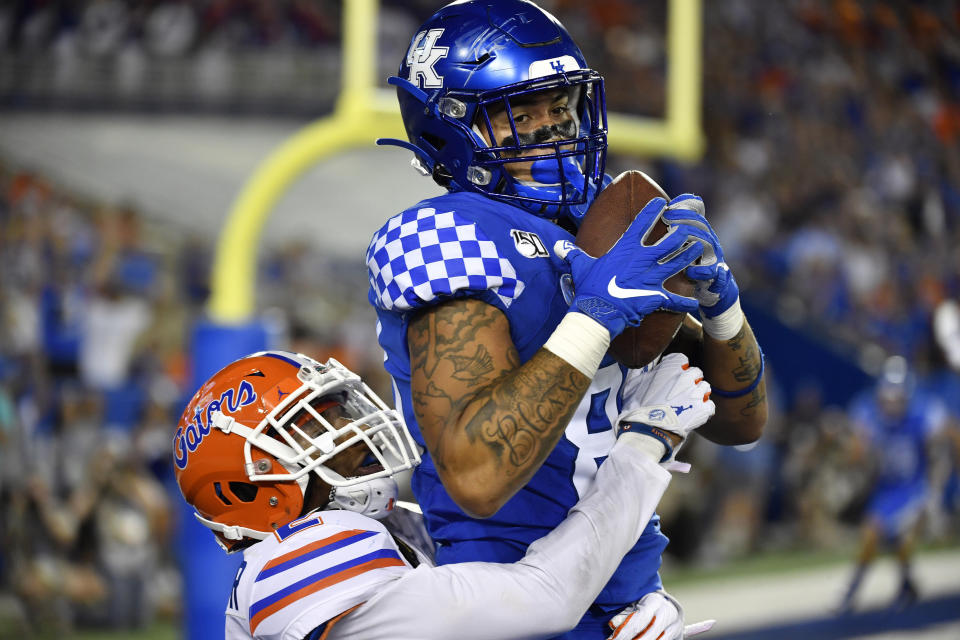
x=421 y=57
x=529 y=244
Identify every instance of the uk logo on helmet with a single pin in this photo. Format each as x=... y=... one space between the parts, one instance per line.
x=551 y=66
x=423 y=54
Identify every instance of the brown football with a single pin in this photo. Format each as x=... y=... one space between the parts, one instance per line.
x=605 y=221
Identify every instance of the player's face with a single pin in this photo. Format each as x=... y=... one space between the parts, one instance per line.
x=353 y=460
x=892 y=401
x=542 y=116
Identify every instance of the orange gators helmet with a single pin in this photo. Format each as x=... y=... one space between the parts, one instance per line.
x=254 y=433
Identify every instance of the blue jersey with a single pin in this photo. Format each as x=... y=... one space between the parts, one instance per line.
x=900 y=442
x=464 y=245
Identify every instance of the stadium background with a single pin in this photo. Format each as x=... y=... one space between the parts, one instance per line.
x=831 y=169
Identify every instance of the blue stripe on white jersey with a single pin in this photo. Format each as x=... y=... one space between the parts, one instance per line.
x=326 y=564
x=306 y=557
x=343 y=567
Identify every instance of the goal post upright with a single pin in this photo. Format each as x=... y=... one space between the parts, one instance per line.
x=363 y=112
x=679 y=134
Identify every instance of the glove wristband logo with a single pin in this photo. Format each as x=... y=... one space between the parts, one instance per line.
x=597 y=308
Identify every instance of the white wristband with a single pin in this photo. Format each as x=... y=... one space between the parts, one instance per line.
x=581 y=341
x=726 y=325
x=648 y=444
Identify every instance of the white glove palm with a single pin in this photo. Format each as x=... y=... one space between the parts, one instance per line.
x=673 y=396
x=657 y=616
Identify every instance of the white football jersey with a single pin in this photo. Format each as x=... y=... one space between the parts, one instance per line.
x=309 y=572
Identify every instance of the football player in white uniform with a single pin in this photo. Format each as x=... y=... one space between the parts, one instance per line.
x=292 y=462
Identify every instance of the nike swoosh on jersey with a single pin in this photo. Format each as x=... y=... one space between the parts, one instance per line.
x=619 y=292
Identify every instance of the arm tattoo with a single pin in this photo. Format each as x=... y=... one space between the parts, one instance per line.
x=529 y=410
x=517 y=412
x=432 y=405
x=737 y=341
x=758 y=397
x=472 y=367
x=453 y=327
x=748 y=368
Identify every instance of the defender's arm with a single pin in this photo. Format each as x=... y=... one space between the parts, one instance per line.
x=548 y=590
x=543 y=594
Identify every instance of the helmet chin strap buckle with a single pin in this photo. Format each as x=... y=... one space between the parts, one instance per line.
x=419 y=166
x=223 y=422
x=326 y=443
x=231 y=532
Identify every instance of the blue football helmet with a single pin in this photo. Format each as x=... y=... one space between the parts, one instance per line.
x=475 y=57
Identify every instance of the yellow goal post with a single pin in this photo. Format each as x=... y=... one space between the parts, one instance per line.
x=365 y=111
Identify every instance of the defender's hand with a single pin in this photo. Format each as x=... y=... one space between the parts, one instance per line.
x=671 y=397
x=655 y=616
x=625 y=284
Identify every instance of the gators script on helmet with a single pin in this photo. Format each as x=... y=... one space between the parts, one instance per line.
x=258 y=431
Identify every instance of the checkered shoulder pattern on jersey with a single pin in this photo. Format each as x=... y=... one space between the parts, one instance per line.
x=425 y=253
x=460 y=245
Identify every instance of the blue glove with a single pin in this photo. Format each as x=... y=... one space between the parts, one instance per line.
x=716 y=291
x=625 y=284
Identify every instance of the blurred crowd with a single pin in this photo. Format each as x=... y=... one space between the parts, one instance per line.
x=267 y=57
x=97 y=308
x=834 y=163
x=832 y=175
x=832 y=169
x=233 y=55
x=87 y=378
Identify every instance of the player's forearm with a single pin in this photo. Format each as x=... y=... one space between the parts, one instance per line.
x=732 y=365
x=616 y=509
x=544 y=594
x=506 y=431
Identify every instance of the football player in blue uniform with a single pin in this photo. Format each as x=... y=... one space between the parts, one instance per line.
x=896 y=425
x=500 y=370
